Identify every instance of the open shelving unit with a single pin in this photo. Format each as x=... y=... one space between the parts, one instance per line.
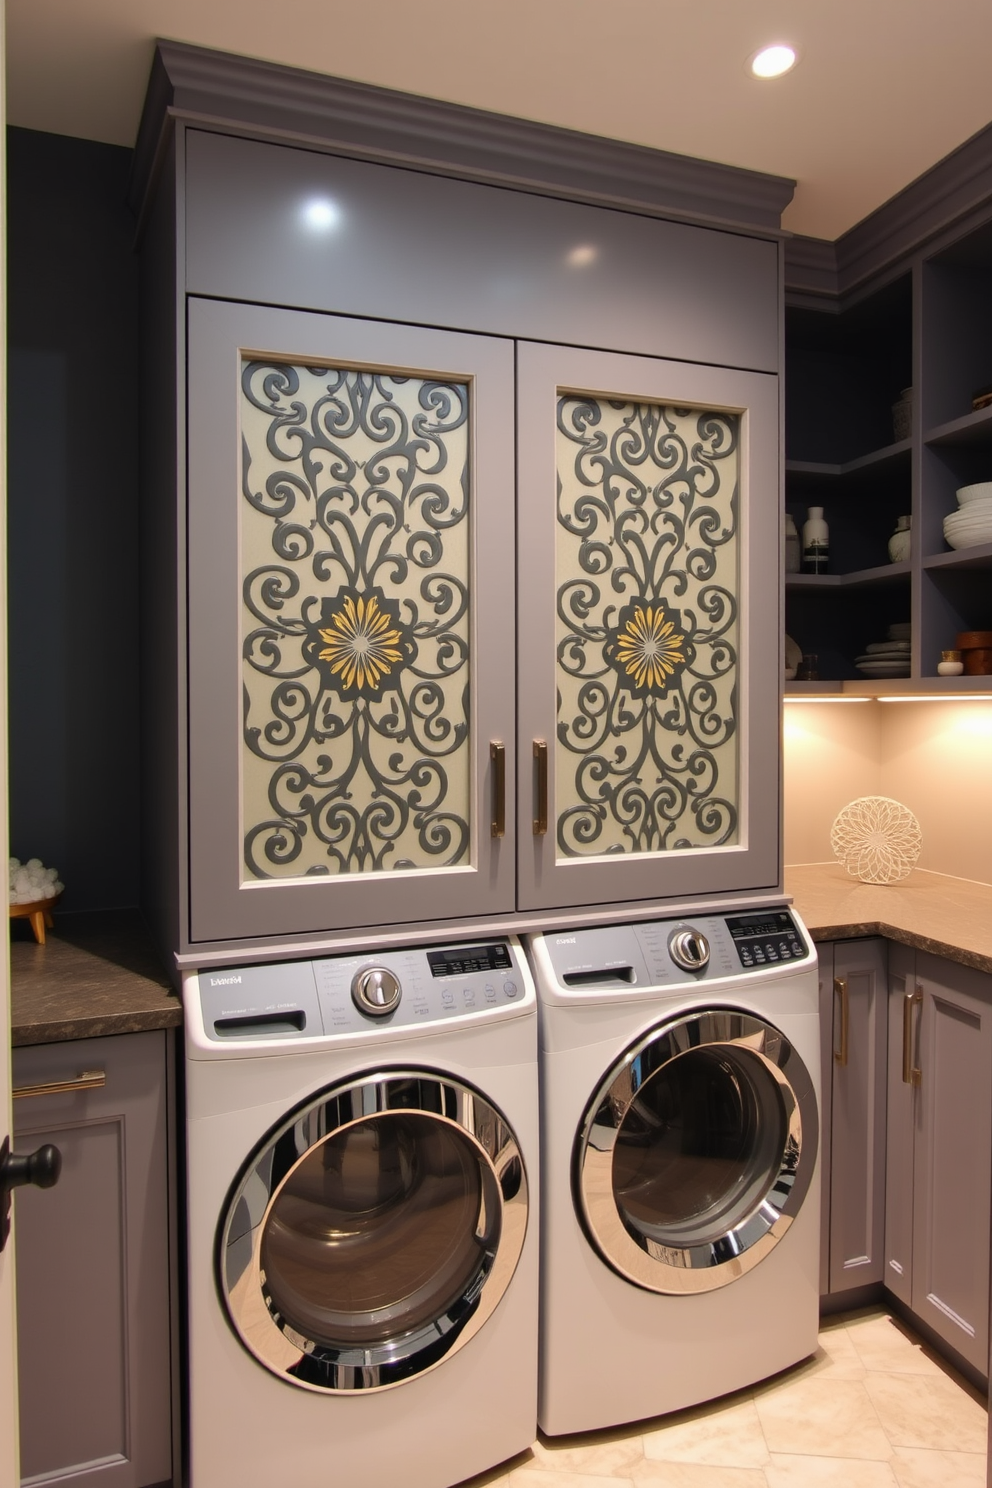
x=924 y=320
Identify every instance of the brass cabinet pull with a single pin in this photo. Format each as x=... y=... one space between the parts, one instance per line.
x=840 y=990
x=497 y=754
x=541 y=770
x=911 y=1073
x=88 y=1080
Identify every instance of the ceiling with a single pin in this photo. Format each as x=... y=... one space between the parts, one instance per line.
x=882 y=90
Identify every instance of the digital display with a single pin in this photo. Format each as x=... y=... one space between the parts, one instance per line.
x=463 y=960
x=743 y=927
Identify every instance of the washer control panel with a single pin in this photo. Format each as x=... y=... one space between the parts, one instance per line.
x=764 y=938
x=351 y=994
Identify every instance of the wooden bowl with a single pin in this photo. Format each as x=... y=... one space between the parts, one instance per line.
x=39 y=912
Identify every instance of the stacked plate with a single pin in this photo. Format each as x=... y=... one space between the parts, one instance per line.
x=888 y=658
x=972 y=522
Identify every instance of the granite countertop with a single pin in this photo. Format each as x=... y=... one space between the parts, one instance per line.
x=97 y=974
x=949 y=917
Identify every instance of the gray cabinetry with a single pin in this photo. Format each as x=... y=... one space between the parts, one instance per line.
x=940 y=1138
x=93 y=1293
x=853 y=999
x=447 y=654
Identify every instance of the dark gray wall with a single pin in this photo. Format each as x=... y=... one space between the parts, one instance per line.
x=73 y=515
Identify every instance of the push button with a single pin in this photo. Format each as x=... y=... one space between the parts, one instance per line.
x=510 y=988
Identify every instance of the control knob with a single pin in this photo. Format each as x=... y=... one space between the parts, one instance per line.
x=689 y=949
x=376 y=991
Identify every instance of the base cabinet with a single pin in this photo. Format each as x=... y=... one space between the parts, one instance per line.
x=93 y=1292
x=938 y=1201
x=853 y=1007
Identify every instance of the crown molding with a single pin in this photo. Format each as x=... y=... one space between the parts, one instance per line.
x=944 y=194
x=944 y=197
x=269 y=101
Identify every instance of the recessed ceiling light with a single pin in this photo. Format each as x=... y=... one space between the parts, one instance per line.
x=772 y=61
x=321 y=214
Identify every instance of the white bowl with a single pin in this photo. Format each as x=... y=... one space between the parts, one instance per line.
x=977 y=492
x=969 y=539
x=980 y=507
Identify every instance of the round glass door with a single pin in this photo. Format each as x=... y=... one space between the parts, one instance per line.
x=697 y=1151
x=374 y=1232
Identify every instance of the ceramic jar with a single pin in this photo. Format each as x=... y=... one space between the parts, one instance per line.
x=793 y=546
x=816 y=542
x=950 y=664
x=900 y=541
x=902 y=415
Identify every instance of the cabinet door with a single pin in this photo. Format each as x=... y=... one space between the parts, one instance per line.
x=93 y=1267
x=649 y=624
x=901 y=1120
x=857 y=1171
x=351 y=643
x=954 y=1141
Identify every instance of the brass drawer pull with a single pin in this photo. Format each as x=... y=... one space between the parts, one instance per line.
x=840 y=990
x=911 y=1073
x=541 y=770
x=497 y=755
x=88 y=1080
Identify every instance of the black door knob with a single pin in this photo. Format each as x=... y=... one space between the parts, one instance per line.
x=42 y=1168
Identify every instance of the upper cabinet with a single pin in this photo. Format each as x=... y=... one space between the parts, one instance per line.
x=648 y=607
x=461 y=544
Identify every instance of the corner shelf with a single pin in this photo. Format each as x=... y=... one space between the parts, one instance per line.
x=978 y=556
x=971 y=428
x=870 y=464
x=864 y=687
x=861 y=578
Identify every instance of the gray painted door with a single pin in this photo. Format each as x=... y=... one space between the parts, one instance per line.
x=93 y=1310
x=857 y=1171
x=953 y=1141
x=649 y=628
x=351 y=626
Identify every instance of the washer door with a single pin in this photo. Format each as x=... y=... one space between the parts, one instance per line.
x=374 y=1232
x=697 y=1151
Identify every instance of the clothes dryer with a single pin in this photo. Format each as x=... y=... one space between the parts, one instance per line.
x=680 y=1195
x=362 y=1156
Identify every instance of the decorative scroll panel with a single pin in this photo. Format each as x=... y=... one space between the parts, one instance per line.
x=355 y=624
x=647 y=578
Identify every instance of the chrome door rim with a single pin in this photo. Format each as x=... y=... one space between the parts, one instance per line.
x=708 y=1265
x=241 y=1280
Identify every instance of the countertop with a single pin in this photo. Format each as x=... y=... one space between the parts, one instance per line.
x=97 y=974
x=949 y=917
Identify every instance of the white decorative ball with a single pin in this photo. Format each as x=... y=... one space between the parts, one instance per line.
x=877 y=840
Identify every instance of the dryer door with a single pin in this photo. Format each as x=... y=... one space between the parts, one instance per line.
x=373 y=1232
x=697 y=1151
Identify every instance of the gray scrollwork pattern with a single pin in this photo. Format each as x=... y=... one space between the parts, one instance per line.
x=647 y=627
x=355 y=635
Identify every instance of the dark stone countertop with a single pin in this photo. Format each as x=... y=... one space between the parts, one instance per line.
x=950 y=917
x=97 y=974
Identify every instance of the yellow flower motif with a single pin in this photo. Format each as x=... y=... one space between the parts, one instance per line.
x=362 y=643
x=649 y=648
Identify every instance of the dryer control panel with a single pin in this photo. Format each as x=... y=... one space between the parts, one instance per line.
x=351 y=994
x=764 y=938
x=673 y=953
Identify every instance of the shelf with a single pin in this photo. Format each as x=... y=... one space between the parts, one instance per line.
x=880 y=687
x=979 y=556
x=861 y=578
x=889 y=454
x=971 y=428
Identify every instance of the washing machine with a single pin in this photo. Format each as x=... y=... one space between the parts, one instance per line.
x=362 y=1159
x=680 y=1197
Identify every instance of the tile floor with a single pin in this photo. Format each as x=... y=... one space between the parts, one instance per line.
x=872 y=1409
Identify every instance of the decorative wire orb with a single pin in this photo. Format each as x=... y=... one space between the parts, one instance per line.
x=876 y=839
